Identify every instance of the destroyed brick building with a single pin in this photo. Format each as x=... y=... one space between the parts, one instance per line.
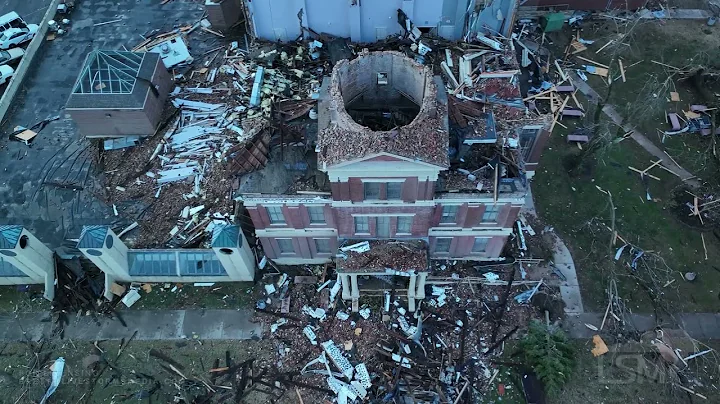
x=119 y=94
x=387 y=169
x=361 y=21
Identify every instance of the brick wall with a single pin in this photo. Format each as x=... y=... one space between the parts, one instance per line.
x=461 y=248
x=296 y=217
x=586 y=4
x=412 y=189
x=304 y=247
x=420 y=225
x=469 y=216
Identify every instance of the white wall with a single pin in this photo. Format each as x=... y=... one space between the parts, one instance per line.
x=368 y=21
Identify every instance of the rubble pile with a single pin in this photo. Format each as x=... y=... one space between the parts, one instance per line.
x=221 y=128
x=443 y=352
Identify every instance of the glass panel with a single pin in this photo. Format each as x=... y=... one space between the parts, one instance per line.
x=394 y=190
x=285 y=245
x=383 y=226
x=372 y=190
x=362 y=224
x=152 y=263
x=480 y=244
x=442 y=244
x=449 y=213
x=276 y=215
x=491 y=214
x=404 y=224
x=200 y=263
x=9 y=270
x=322 y=245
x=317 y=214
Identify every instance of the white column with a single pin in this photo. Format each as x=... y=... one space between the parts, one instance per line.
x=411 y=293
x=345 y=282
x=420 y=290
x=354 y=284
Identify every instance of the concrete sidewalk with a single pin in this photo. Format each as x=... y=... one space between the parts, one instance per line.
x=701 y=326
x=151 y=325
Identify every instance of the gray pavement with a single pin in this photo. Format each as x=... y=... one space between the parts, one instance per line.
x=570 y=287
x=59 y=153
x=150 y=325
x=701 y=326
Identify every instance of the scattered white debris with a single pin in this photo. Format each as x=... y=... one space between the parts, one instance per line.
x=270 y=289
x=365 y=313
x=317 y=313
x=310 y=334
x=274 y=327
x=358 y=248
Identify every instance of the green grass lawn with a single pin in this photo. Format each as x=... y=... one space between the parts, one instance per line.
x=222 y=295
x=569 y=201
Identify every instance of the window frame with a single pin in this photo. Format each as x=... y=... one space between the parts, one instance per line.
x=317 y=247
x=495 y=210
x=366 y=224
x=280 y=247
x=317 y=208
x=399 y=191
x=270 y=210
x=437 y=243
x=484 y=250
x=369 y=184
x=410 y=220
x=443 y=219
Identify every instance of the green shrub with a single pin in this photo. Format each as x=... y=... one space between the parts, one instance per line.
x=547 y=350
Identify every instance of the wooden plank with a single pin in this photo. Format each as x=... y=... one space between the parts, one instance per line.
x=674 y=96
x=605 y=46
x=593 y=62
x=663 y=64
x=622 y=70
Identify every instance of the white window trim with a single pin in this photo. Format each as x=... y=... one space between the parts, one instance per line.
x=383 y=180
x=382 y=214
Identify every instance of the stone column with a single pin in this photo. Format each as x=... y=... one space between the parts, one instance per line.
x=354 y=284
x=411 y=292
x=345 y=282
x=420 y=291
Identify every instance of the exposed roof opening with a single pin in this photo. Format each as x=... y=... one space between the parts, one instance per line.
x=382 y=91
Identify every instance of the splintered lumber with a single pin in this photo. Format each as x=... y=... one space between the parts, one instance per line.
x=560 y=70
x=622 y=70
x=663 y=64
x=593 y=62
x=577 y=46
x=557 y=115
x=702 y=236
x=551 y=90
x=643 y=173
x=577 y=103
x=605 y=46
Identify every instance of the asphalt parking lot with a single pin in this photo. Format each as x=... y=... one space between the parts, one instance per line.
x=59 y=153
x=31 y=11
